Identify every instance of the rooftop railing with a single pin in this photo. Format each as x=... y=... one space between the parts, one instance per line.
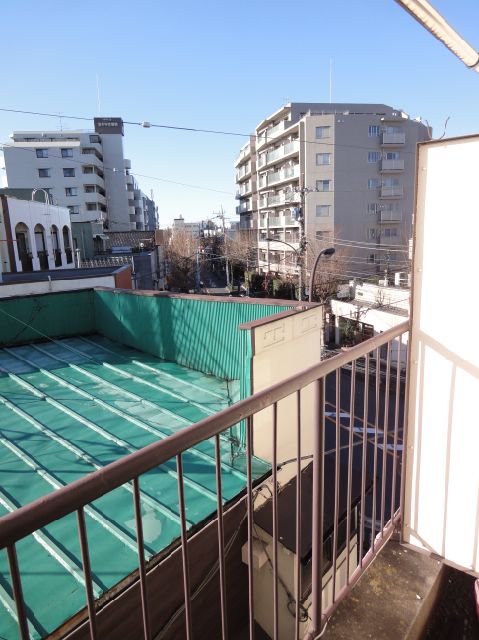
x=352 y=435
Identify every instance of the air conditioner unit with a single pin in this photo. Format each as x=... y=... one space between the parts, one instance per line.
x=402 y=279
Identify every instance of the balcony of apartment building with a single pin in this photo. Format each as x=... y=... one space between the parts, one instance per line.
x=275 y=199
x=94 y=155
x=391 y=166
x=244 y=154
x=391 y=188
x=393 y=139
x=389 y=215
x=286 y=174
x=275 y=513
x=244 y=172
x=284 y=152
x=266 y=136
x=94 y=173
x=243 y=207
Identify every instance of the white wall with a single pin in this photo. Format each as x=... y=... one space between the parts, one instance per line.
x=32 y=213
x=29 y=288
x=441 y=512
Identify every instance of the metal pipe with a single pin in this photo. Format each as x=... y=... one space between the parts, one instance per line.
x=317 y=510
x=298 y=515
x=87 y=573
x=221 y=541
x=250 y=513
x=275 y=522
x=184 y=549
x=18 y=593
x=141 y=558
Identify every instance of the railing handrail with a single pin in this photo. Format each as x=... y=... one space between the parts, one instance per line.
x=41 y=512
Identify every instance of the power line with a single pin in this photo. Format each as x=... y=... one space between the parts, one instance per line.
x=192 y=129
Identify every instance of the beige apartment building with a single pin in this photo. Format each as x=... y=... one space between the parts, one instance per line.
x=330 y=174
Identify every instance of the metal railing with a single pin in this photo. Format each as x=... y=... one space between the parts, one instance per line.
x=356 y=428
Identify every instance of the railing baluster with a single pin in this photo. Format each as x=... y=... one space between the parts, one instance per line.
x=318 y=504
x=404 y=436
x=375 y=452
x=141 y=558
x=298 y=514
x=396 y=426
x=336 y=477
x=275 y=522
x=249 y=502
x=221 y=540
x=350 y=465
x=18 y=593
x=364 y=457
x=184 y=548
x=87 y=573
x=385 y=437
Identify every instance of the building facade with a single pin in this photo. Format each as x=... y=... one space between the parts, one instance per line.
x=336 y=173
x=34 y=236
x=84 y=171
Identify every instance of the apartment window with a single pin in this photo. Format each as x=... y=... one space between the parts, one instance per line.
x=71 y=191
x=372 y=258
x=323 y=158
x=323 y=132
x=322 y=235
x=373 y=208
x=392 y=129
x=374 y=130
x=42 y=153
x=323 y=185
x=392 y=155
x=44 y=173
x=374 y=156
x=374 y=183
x=89 y=188
x=90 y=206
x=322 y=210
x=372 y=233
x=95 y=139
x=68 y=173
x=73 y=209
x=67 y=153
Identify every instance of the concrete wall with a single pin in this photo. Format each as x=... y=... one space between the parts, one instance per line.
x=441 y=511
x=280 y=349
x=36 y=288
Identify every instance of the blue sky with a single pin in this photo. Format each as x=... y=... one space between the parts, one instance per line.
x=223 y=65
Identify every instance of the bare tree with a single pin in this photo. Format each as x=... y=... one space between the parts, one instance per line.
x=181 y=254
x=240 y=252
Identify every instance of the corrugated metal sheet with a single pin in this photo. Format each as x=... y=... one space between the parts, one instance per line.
x=201 y=334
x=38 y=317
x=68 y=407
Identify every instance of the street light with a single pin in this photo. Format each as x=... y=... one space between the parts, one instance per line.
x=298 y=259
x=325 y=252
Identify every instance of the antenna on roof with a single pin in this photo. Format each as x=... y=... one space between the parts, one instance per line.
x=330 y=80
x=98 y=94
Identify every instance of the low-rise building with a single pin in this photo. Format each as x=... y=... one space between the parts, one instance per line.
x=34 y=235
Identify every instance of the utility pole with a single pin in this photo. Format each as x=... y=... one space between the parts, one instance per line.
x=197 y=275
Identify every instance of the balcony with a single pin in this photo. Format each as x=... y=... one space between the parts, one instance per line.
x=393 y=139
x=390 y=216
x=391 y=191
x=375 y=443
x=243 y=207
x=288 y=150
x=270 y=134
x=244 y=172
x=391 y=166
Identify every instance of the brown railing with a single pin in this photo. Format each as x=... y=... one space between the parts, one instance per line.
x=357 y=425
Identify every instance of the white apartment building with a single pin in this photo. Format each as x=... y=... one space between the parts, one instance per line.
x=84 y=171
x=351 y=166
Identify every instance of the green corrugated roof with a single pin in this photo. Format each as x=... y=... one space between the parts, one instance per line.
x=68 y=407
